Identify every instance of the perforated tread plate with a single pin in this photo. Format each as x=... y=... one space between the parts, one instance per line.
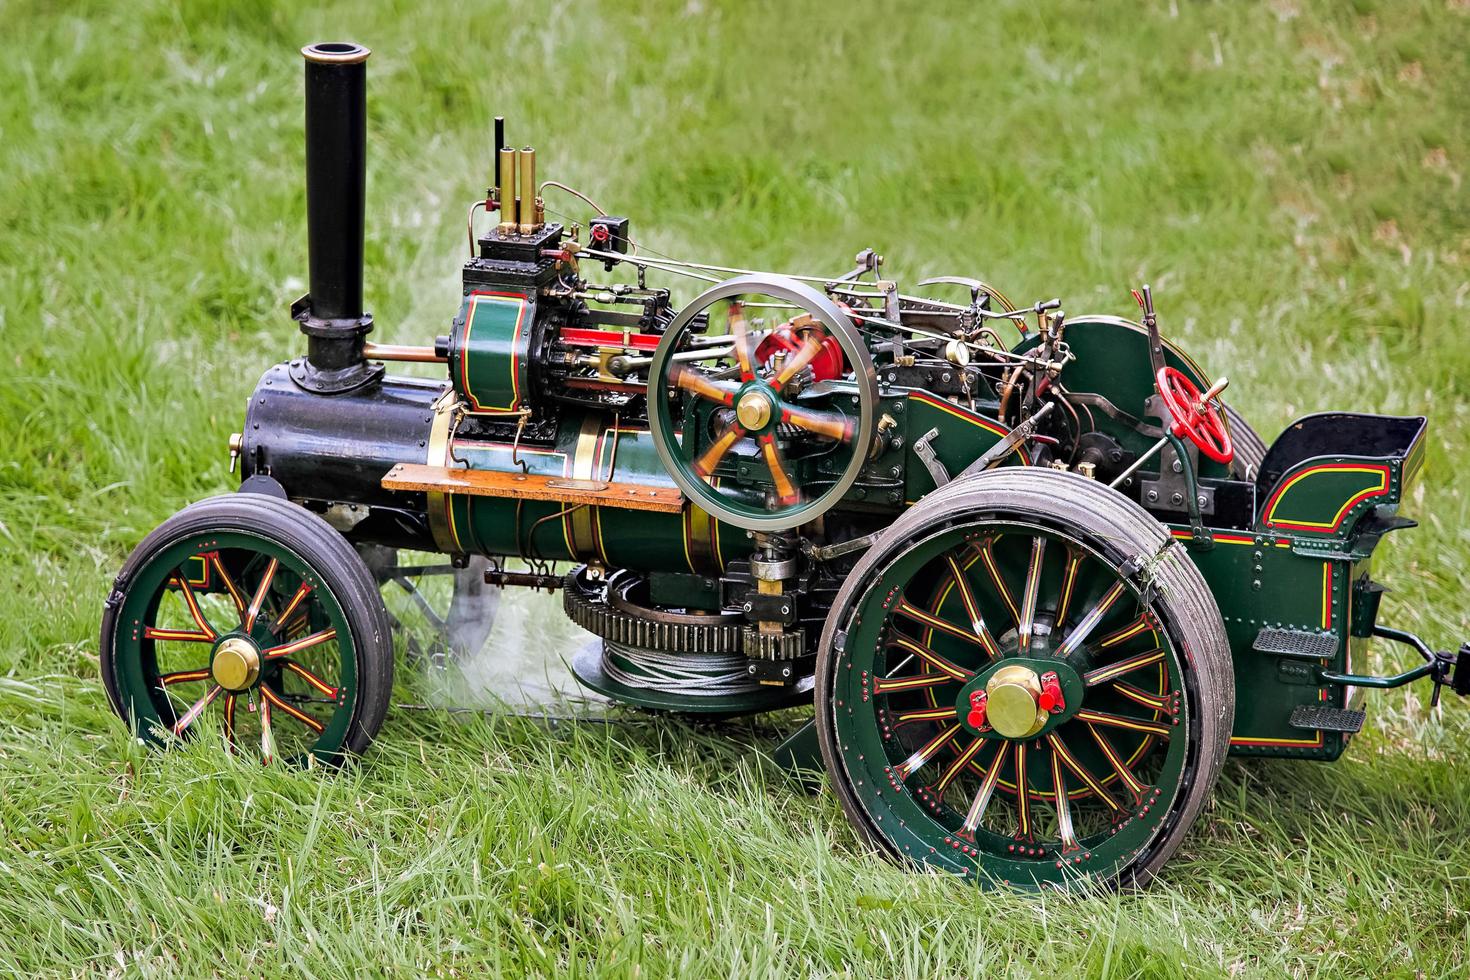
x=1302 y=644
x=1316 y=717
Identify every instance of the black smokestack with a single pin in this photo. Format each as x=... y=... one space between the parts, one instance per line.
x=336 y=176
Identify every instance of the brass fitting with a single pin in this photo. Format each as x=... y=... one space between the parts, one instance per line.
x=507 y=191
x=527 y=214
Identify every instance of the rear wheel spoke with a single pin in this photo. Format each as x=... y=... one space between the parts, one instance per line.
x=925 y=752
x=924 y=618
x=981 y=799
x=1059 y=747
x=1063 y=806
x=972 y=608
x=957 y=766
x=1125 y=775
x=1128 y=665
x=1123 y=721
x=1139 y=626
x=1069 y=583
x=1023 y=795
x=1154 y=702
x=928 y=656
x=987 y=558
x=942 y=713
x=1088 y=623
x=1028 y=595
x=918 y=682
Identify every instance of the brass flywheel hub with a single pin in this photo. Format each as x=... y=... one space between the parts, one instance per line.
x=1013 y=702
x=236 y=663
x=754 y=410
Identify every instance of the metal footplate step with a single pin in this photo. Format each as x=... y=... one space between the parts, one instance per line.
x=1298 y=644
x=1317 y=717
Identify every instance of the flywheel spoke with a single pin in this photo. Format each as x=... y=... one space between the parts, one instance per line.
x=833 y=425
x=786 y=492
x=810 y=348
x=695 y=382
x=740 y=334
x=705 y=465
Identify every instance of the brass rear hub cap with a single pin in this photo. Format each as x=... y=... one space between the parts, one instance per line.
x=1013 y=707
x=236 y=664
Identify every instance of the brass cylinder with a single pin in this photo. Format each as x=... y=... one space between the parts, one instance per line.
x=507 y=189
x=528 y=191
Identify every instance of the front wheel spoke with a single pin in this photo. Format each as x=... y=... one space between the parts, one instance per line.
x=1069 y=583
x=1088 y=623
x=939 y=663
x=230 y=700
x=982 y=796
x=705 y=465
x=229 y=582
x=1028 y=594
x=1154 y=702
x=1123 y=721
x=1059 y=747
x=1125 y=775
x=261 y=590
x=306 y=642
x=987 y=558
x=925 y=752
x=192 y=601
x=1128 y=665
x=302 y=591
x=271 y=696
x=972 y=608
x=267 y=736
x=918 y=682
x=924 y=618
x=196 y=709
x=1063 y=807
x=832 y=425
x=786 y=492
x=310 y=678
x=184 y=676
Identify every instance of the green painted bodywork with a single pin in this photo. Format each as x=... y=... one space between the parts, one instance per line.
x=488 y=351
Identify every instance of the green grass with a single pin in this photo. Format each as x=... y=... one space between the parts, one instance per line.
x=1288 y=175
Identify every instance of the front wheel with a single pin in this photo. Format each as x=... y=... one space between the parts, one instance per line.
x=1026 y=681
x=249 y=617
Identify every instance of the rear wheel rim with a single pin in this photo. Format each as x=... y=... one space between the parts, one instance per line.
x=932 y=629
x=234 y=633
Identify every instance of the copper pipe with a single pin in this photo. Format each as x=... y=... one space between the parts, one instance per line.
x=400 y=352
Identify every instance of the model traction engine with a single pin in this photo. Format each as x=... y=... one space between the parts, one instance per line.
x=991 y=544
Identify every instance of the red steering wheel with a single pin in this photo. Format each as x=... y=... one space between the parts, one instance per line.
x=1194 y=415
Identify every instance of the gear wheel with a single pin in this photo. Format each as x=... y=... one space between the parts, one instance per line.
x=618 y=610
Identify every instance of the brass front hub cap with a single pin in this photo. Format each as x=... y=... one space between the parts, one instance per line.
x=236 y=664
x=753 y=410
x=1012 y=696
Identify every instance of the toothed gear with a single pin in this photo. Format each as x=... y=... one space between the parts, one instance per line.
x=617 y=610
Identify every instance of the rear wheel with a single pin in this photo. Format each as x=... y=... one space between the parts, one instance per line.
x=249 y=616
x=1026 y=681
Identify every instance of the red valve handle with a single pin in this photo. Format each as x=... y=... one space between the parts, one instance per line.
x=976 y=717
x=1194 y=415
x=1051 y=699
